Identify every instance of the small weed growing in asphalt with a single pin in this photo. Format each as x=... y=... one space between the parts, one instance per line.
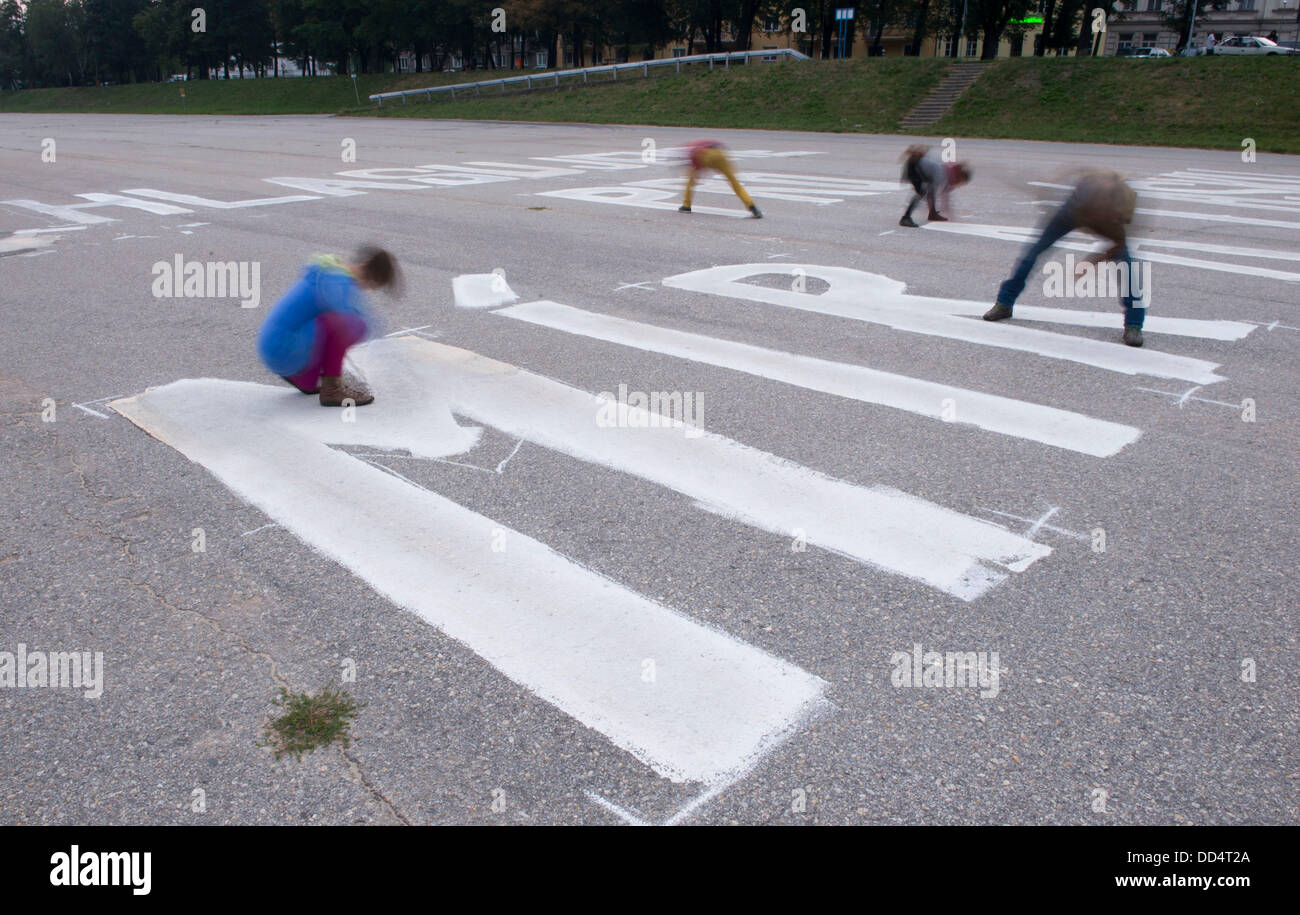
x=310 y=721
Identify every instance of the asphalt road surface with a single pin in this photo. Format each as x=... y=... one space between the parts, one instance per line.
x=556 y=608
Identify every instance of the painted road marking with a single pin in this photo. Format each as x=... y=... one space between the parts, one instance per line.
x=884 y=528
x=715 y=705
x=774 y=186
x=1022 y=235
x=1040 y=523
x=1188 y=214
x=84 y=406
x=1182 y=399
x=13 y=244
x=646 y=198
x=871 y=297
x=1004 y=415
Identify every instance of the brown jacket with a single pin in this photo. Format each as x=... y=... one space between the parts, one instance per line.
x=1103 y=203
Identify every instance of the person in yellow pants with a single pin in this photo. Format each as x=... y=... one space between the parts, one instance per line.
x=708 y=154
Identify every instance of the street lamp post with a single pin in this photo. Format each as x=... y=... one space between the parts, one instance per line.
x=1191 y=26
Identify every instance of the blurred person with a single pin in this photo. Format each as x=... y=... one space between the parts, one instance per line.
x=704 y=155
x=931 y=179
x=306 y=336
x=1103 y=203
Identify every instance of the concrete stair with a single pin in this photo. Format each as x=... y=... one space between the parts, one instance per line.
x=945 y=95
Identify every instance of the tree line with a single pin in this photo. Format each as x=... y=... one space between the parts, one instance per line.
x=86 y=42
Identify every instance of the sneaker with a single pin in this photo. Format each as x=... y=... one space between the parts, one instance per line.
x=937 y=217
x=334 y=389
x=908 y=222
x=683 y=209
x=1133 y=336
x=754 y=209
x=998 y=313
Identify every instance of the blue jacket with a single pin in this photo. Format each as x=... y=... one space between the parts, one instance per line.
x=289 y=332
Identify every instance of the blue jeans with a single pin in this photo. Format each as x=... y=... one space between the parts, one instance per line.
x=1061 y=224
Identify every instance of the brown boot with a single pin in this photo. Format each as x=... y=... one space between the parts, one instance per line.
x=334 y=389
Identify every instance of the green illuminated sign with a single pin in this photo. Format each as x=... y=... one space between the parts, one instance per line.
x=1028 y=20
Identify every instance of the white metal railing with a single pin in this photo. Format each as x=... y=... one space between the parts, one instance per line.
x=544 y=79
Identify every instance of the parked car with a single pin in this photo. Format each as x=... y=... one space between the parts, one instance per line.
x=1254 y=44
x=177 y=78
x=1144 y=53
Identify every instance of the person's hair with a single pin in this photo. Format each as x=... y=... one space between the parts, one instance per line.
x=914 y=152
x=380 y=268
x=965 y=171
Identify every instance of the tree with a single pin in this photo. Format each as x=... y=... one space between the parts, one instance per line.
x=50 y=31
x=1178 y=15
x=116 y=49
x=877 y=15
x=991 y=18
x=1060 y=32
x=13 y=48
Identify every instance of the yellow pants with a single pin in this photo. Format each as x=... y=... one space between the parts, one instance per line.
x=717 y=160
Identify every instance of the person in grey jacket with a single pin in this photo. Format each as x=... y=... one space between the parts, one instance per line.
x=931 y=179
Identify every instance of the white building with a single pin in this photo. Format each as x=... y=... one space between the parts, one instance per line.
x=1143 y=23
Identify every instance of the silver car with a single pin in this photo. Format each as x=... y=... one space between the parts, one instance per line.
x=1250 y=45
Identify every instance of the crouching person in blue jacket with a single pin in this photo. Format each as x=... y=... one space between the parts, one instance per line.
x=308 y=333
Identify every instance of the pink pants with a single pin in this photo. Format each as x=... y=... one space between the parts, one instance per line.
x=335 y=334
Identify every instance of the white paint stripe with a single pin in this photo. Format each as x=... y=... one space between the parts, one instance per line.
x=408 y=330
x=1004 y=415
x=644 y=197
x=626 y=816
x=1155 y=324
x=12 y=244
x=862 y=296
x=1038 y=525
x=208 y=203
x=1189 y=214
x=85 y=409
x=1021 y=235
x=1047 y=527
x=883 y=527
x=1142 y=244
x=1220 y=217
x=1182 y=399
x=1235 y=197
x=55 y=230
x=1242 y=175
x=502 y=465
x=573 y=637
x=694 y=805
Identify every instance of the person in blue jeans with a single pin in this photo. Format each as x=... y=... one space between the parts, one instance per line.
x=1103 y=203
